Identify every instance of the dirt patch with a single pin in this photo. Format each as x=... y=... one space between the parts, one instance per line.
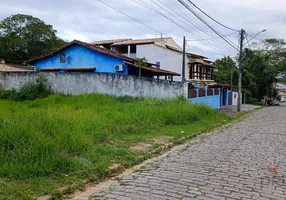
x=162 y=139
x=147 y=146
x=142 y=146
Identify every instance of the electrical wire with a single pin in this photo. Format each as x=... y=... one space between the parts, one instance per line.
x=201 y=28
x=212 y=17
x=181 y=11
x=206 y=21
x=129 y=16
x=247 y=41
x=163 y=15
x=174 y=7
x=208 y=25
x=214 y=38
x=140 y=22
x=167 y=17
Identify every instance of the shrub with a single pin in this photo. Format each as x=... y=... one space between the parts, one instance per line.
x=40 y=88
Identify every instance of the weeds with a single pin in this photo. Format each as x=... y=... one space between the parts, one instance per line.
x=59 y=140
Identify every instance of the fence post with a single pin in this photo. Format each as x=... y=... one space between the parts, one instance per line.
x=227 y=97
x=186 y=90
x=197 y=93
x=206 y=92
x=220 y=98
x=213 y=91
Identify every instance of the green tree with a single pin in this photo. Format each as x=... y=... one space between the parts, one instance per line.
x=263 y=64
x=23 y=37
x=222 y=73
x=261 y=67
x=254 y=78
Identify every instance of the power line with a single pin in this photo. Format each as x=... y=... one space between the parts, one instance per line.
x=129 y=16
x=212 y=17
x=138 y=20
x=214 y=38
x=209 y=51
x=183 y=13
x=208 y=25
x=167 y=17
x=172 y=6
x=247 y=41
x=186 y=19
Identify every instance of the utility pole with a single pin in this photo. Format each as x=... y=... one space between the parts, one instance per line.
x=240 y=70
x=231 y=77
x=184 y=60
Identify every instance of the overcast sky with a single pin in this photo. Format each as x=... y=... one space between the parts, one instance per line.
x=90 y=20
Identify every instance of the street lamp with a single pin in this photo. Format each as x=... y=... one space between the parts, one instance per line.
x=264 y=30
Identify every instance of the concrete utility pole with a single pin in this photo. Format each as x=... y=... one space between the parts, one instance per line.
x=231 y=77
x=184 y=60
x=242 y=32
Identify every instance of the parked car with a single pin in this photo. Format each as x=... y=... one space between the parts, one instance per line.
x=274 y=103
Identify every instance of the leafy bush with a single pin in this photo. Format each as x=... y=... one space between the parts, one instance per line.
x=40 y=88
x=141 y=61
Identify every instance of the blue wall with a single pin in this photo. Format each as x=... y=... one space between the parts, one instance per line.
x=225 y=97
x=78 y=56
x=212 y=101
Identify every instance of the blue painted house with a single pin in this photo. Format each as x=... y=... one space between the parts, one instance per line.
x=80 y=56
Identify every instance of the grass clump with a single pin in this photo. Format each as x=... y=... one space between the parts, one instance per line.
x=60 y=140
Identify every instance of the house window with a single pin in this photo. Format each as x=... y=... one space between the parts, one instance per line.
x=62 y=57
x=133 y=49
x=121 y=49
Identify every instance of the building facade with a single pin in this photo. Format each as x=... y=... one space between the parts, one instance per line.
x=166 y=53
x=80 y=56
x=200 y=69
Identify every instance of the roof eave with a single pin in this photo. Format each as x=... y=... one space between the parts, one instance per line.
x=33 y=60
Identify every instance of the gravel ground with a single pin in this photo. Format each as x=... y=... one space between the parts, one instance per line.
x=239 y=162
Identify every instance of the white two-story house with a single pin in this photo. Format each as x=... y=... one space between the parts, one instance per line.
x=166 y=53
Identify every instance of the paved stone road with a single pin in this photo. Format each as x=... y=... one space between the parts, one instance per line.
x=236 y=163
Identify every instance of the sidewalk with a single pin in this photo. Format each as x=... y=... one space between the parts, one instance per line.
x=232 y=110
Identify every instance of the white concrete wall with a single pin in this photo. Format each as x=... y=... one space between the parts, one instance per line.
x=283 y=98
x=168 y=41
x=112 y=84
x=234 y=98
x=169 y=60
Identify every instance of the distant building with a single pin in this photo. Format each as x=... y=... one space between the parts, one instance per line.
x=78 y=56
x=14 y=68
x=281 y=75
x=200 y=69
x=166 y=53
x=283 y=96
x=281 y=87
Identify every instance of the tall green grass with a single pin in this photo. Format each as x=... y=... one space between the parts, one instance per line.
x=80 y=136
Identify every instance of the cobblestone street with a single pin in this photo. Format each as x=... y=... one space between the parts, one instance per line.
x=244 y=161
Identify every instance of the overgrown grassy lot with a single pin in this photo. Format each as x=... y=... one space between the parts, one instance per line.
x=58 y=141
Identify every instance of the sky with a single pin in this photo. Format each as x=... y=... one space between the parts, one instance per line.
x=91 y=20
